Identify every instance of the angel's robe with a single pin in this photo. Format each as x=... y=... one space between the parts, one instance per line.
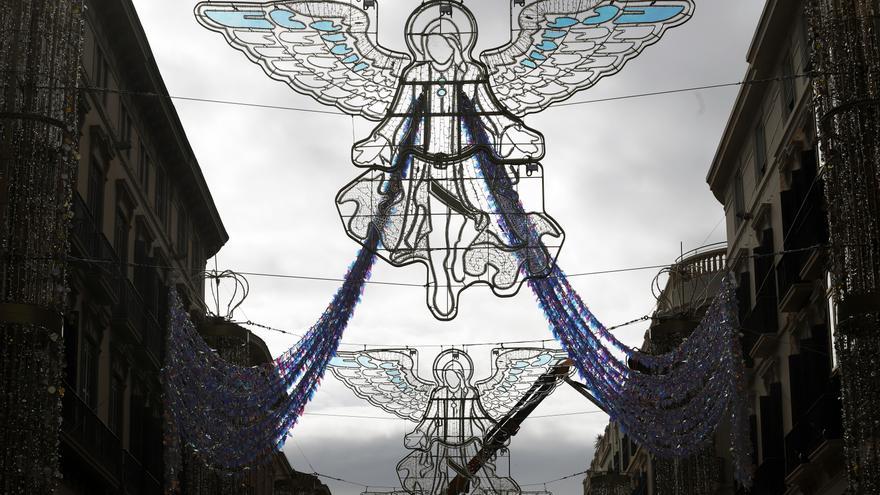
x=449 y=436
x=444 y=132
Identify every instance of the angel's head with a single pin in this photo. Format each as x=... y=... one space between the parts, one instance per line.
x=441 y=31
x=453 y=369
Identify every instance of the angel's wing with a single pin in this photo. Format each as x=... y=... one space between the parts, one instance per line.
x=564 y=46
x=385 y=378
x=516 y=370
x=320 y=48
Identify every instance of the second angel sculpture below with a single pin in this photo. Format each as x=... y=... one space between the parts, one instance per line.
x=453 y=443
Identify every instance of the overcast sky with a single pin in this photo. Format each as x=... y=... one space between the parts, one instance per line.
x=625 y=179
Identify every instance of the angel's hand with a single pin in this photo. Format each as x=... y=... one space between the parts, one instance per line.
x=372 y=152
x=517 y=141
x=415 y=440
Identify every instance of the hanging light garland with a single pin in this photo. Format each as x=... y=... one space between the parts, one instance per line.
x=674 y=405
x=235 y=417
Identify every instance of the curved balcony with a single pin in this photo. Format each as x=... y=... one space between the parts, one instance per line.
x=694 y=279
x=708 y=259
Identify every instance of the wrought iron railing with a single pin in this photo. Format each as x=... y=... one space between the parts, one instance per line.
x=788 y=271
x=129 y=310
x=709 y=259
x=139 y=481
x=83 y=427
x=83 y=226
x=820 y=423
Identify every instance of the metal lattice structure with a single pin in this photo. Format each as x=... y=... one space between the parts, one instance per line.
x=40 y=44
x=457 y=419
x=846 y=55
x=429 y=102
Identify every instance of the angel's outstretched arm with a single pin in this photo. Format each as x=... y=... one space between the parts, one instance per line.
x=378 y=149
x=511 y=139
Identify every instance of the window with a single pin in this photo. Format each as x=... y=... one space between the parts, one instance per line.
x=71 y=344
x=144 y=166
x=161 y=196
x=197 y=262
x=95 y=193
x=788 y=89
x=120 y=238
x=124 y=131
x=182 y=233
x=739 y=202
x=88 y=372
x=101 y=74
x=760 y=149
x=116 y=403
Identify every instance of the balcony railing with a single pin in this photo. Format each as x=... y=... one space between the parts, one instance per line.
x=763 y=318
x=92 y=245
x=129 y=313
x=91 y=437
x=154 y=338
x=705 y=260
x=132 y=314
x=139 y=481
x=819 y=424
x=609 y=483
x=793 y=291
x=83 y=227
x=693 y=279
x=770 y=476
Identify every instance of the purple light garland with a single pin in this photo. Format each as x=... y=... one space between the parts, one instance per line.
x=676 y=404
x=235 y=417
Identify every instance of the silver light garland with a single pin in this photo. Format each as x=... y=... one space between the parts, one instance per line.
x=39 y=48
x=846 y=55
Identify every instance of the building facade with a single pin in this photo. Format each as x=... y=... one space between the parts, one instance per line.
x=238 y=345
x=143 y=221
x=620 y=466
x=768 y=175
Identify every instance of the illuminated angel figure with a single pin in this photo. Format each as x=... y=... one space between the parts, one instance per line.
x=449 y=124
x=453 y=415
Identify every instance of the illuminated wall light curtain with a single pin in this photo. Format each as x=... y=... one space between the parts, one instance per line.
x=40 y=43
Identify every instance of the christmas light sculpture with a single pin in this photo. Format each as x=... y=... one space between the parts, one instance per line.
x=450 y=168
x=453 y=415
x=440 y=218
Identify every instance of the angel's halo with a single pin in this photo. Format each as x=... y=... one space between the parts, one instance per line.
x=449 y=356
x=436 y=12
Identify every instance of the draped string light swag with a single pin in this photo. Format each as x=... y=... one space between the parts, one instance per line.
x=452 y=180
